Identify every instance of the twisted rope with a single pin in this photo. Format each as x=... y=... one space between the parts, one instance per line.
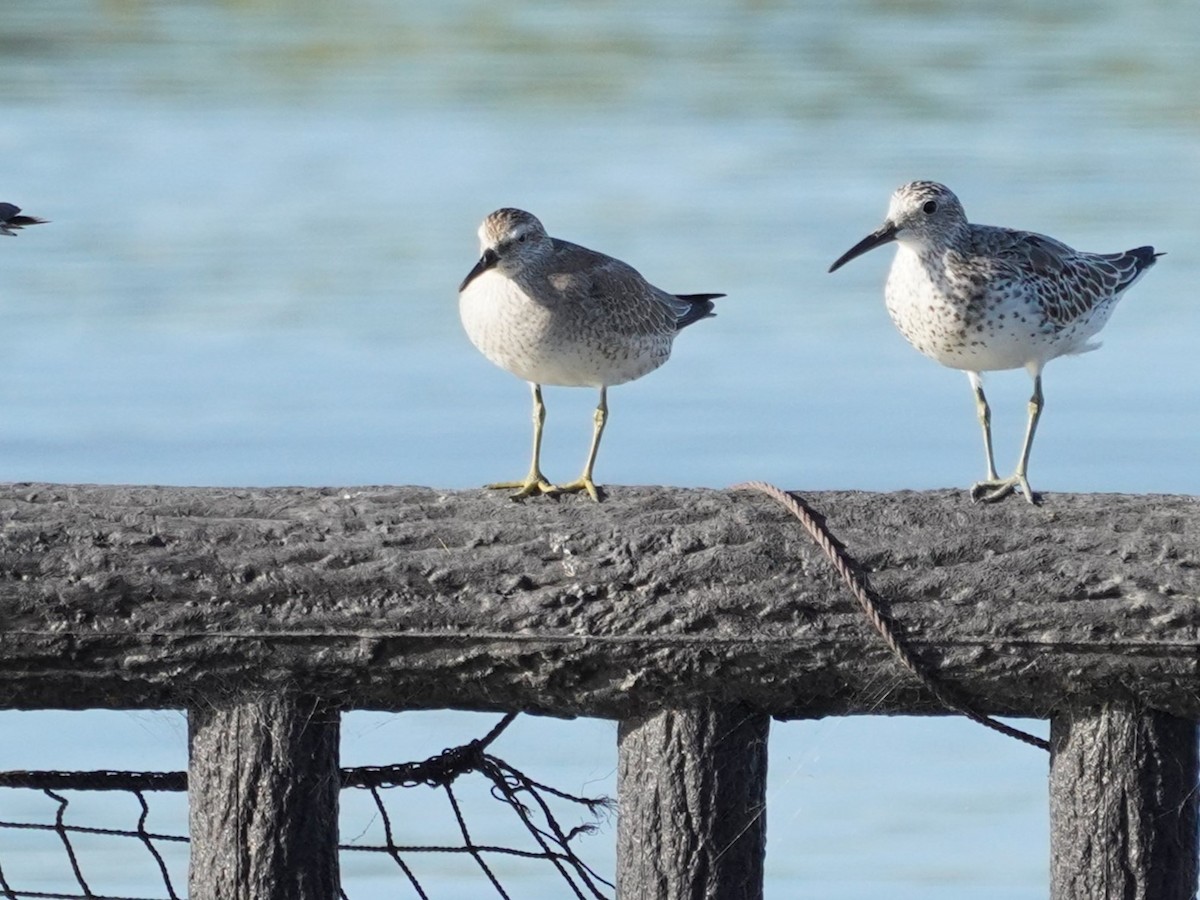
x=851 y=574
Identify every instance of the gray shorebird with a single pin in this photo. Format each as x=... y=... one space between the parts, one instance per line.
x=11 y=221
x=552 y=312
x=980 y=298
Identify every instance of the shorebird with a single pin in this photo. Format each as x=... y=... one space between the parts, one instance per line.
x=552 y=312
x=981 y=298
x=11 y=221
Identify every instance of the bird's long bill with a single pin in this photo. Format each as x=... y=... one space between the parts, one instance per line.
x=884 y=235
x=487 y=261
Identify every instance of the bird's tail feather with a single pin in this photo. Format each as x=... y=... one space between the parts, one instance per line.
x=701 y=307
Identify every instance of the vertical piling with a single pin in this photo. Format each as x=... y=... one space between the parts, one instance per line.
x=691 y=788
x=1123 y=805
x=263 y=782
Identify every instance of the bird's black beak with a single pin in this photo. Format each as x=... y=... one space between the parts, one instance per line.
x=884 y=235
x=487 y=261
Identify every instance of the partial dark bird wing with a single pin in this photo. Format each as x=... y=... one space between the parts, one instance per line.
x=11 y=221
x=616 y=294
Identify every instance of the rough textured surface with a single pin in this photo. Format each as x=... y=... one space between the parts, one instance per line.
x=402 y=598
x=692 y=793
x=1122 y=806
x=263 y=800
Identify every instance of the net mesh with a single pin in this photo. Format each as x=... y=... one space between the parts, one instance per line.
x=60 y=857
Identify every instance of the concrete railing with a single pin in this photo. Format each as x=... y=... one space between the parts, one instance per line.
x=691 y=616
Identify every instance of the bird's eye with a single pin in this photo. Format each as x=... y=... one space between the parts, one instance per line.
x=521 y=237
x=930 y=207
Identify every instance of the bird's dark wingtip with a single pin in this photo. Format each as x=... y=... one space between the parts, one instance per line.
x=1145 y=256
x=11 y=221
x=701 y=308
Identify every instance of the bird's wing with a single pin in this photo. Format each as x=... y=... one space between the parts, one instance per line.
x=1069 y=283
x=614 y=293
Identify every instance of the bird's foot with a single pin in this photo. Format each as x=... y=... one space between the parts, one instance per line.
x=582 y=483
x=535 y=485
x=995 y=489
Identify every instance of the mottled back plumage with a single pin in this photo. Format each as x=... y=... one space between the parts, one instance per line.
x=1069 y=284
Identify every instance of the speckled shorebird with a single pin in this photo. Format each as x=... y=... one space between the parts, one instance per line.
x=552 y=312
x=11 y=221
x=980 y=298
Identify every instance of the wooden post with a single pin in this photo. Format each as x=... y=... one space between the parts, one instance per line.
x=1123 y=805
x=691 y=789
x=263 y=783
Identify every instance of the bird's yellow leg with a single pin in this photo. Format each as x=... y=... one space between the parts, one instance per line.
x=535 y=482
x=997 y=489
x=985 y=423
x=1036 y=402
x=584 y=482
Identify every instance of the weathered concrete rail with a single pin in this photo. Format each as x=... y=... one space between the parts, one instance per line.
x=692 y=616
x=413 y=598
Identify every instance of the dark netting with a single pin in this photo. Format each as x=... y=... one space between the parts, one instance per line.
x=77 y=852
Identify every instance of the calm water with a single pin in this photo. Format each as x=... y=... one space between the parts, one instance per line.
x=261 y=212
